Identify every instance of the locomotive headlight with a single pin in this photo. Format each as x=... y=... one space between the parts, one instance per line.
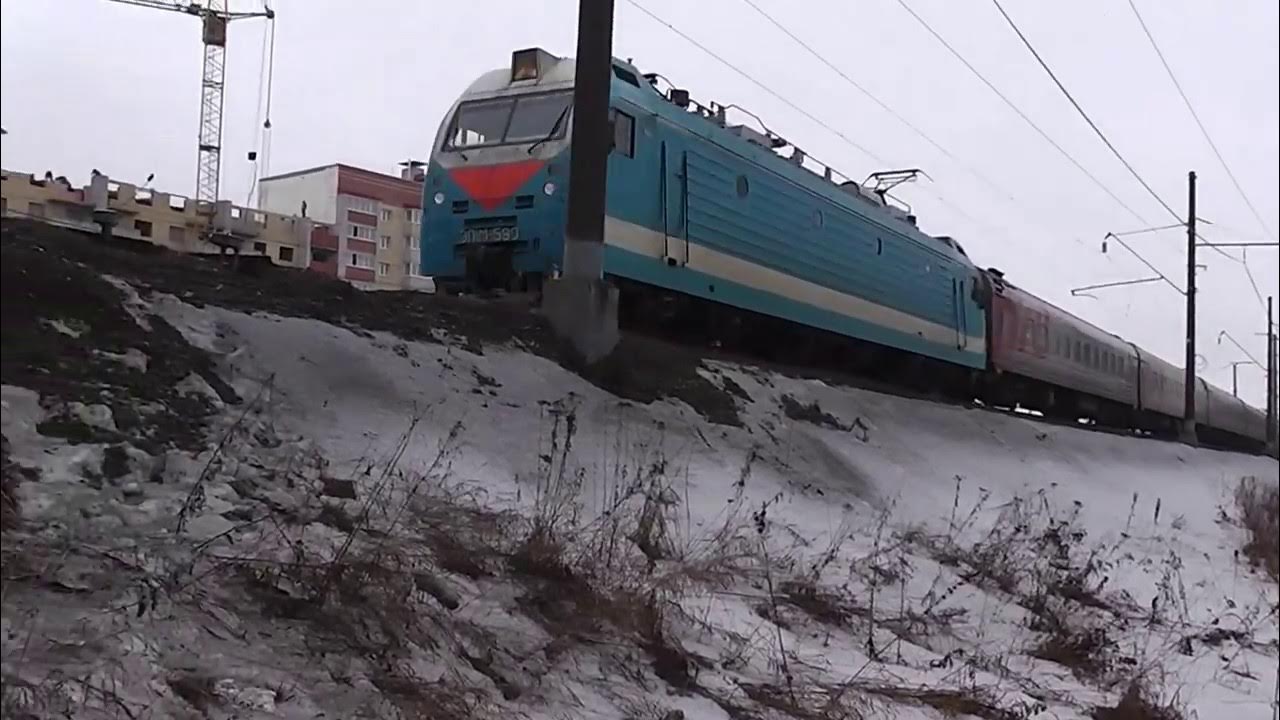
x=524 y=65
x=438 y=198
x=549 y=188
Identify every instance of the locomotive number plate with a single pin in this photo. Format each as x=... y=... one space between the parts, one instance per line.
x=487 y=235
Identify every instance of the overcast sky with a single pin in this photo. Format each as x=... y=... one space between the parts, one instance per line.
x=95 y=84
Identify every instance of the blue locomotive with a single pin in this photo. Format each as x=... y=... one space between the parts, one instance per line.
x=729 y=216
x=695 y=206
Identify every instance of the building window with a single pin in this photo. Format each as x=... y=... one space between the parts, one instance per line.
x=413 y=215
x=384 y=242
x=286 y=254
x=260 y=247
x=386 y=215
x=364 y=205
x=361 y=260
x=177 y=235
x=143 y=227
x=362 y=232
x=383 y=269
x=412 y=240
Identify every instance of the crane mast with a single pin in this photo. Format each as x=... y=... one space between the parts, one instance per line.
x=214 y=16
x=212 y=85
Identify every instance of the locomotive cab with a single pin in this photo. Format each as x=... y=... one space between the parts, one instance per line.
x=495 y=199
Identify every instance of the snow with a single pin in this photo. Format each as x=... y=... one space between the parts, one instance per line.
x=866 y=517
x=131 y=358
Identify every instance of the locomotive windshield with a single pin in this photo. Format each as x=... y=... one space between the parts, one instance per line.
x=506 y=121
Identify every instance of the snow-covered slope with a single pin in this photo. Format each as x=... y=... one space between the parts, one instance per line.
x=376 y=527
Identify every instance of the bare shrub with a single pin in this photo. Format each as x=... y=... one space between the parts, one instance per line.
x=1040 y=559
x=623 y=566
x=1258 y=504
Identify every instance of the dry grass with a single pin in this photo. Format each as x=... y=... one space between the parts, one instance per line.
x=198 y=691
x=10 y=510
x=1259 y=506
x=416 y=698
x=1086 y=652
x=11 y=474
x=1139 y=703
x=950 y=702
x=808 y=701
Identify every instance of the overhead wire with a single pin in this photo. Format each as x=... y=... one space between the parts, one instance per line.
x=745 y=75
x=266 y=76
x=1106 y=141
x=881 y=103
x=790 y=103
x=900 y=118
x=257 y=113
x=1212 y=145
x=1199 y=123
x=1025 y=118
x=1071 y=98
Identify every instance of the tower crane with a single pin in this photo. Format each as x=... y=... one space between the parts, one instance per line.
x=214 y=16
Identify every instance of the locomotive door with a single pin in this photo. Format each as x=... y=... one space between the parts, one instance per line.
x=961 y=318
x=674 y=178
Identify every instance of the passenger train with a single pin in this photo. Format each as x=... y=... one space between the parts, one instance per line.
x=712 y=219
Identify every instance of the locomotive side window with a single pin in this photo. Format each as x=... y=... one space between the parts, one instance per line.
x=624 y=133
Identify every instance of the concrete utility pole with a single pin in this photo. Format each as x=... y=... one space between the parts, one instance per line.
x=1189 y=416
x=580 y=305
x=1273 y=383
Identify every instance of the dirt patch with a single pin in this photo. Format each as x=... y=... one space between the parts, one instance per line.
x=814 y=414
x=61 y=285
x=61 y=323
x=811 y=413
x=645 y=369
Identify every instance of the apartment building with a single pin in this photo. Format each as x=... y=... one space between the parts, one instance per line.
x=173 y=221
x=375 y=220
